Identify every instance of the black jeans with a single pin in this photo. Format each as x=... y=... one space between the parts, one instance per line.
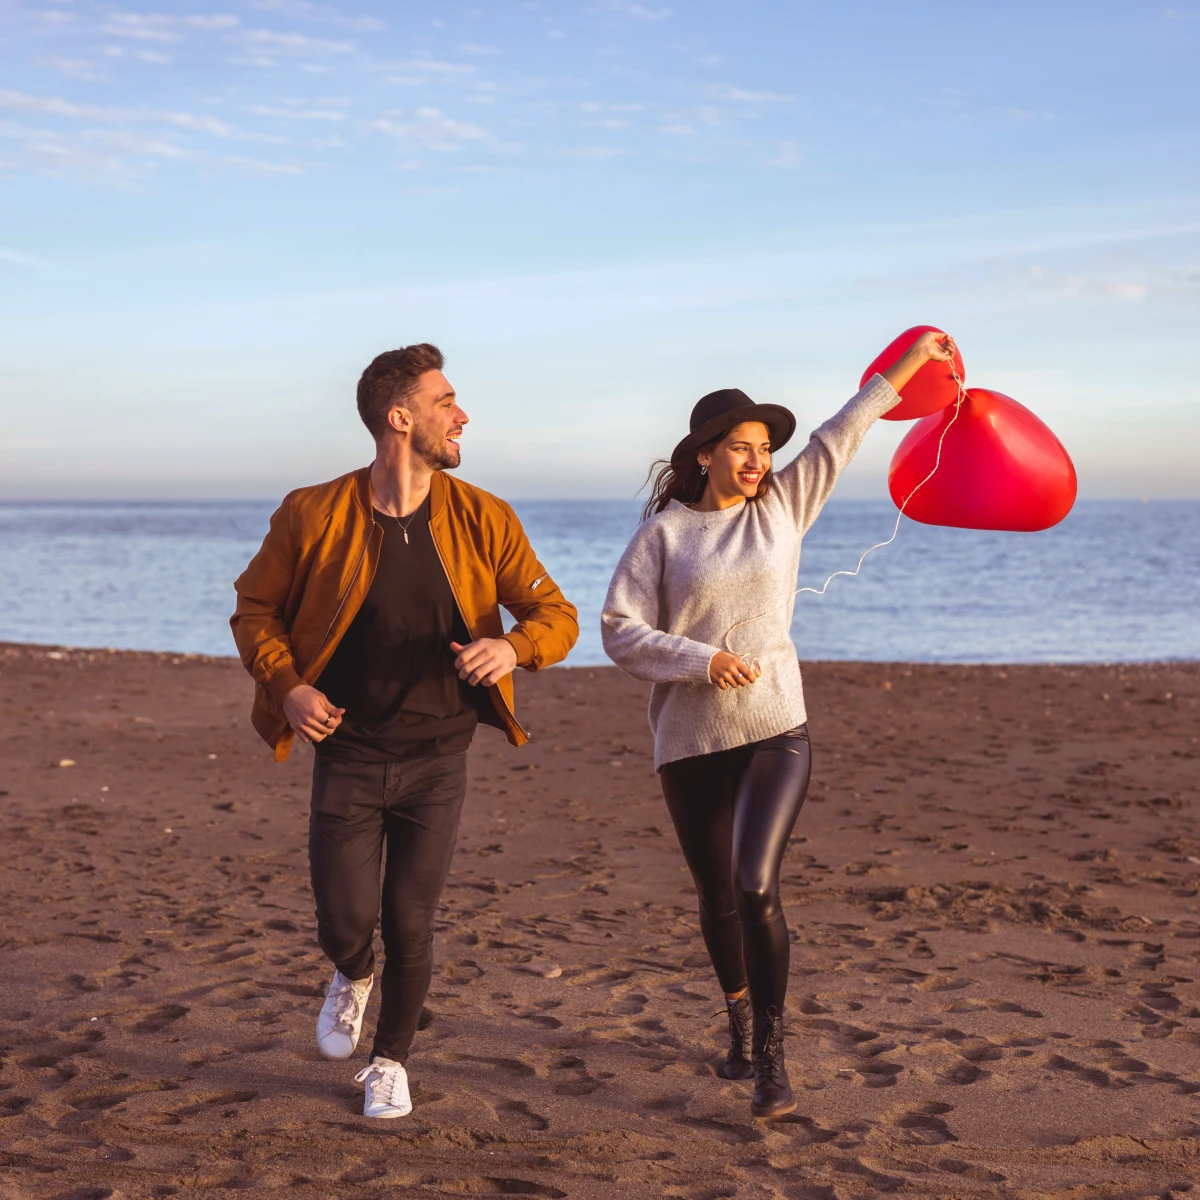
x=412 y=808
x=733 y=812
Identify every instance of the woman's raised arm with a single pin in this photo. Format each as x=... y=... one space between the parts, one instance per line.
x=806 y=483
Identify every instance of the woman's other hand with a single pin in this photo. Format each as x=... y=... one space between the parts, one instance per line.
x=728 y=670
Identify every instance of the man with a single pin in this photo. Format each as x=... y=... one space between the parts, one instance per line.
x=370 y=621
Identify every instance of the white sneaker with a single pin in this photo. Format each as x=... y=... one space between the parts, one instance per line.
x=386 y=1090
x=341 y=1017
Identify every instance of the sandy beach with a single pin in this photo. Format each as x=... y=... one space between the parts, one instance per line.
x=991 y=890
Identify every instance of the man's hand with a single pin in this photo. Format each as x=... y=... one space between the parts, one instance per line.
x=485 y=661
x=310 y=714
x=729 y=671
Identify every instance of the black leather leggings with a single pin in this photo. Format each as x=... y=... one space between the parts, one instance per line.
x=734 y=812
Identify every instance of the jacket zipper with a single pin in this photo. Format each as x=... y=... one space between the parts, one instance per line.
x=462 y=612
x=346 y=593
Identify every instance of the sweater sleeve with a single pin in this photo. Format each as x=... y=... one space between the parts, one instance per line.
x=630 y=620
x=805 y=483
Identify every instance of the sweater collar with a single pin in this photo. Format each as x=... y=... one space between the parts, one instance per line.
x=719 y=514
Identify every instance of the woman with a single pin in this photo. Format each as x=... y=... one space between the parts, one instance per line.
x=701 y=606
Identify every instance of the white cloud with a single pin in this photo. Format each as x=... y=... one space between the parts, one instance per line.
x=1027 y=114
x=677 y=128
x=432 y=128
x=296 y=114
x=147 y=27
x=258 y=166
x=304 y=10
x=787 y=157
x=728 y=92
x=134 y=144
x=416 y=71
x=590 y=152
x=640 y=11
x=197 y=124
x=709 y=60
x=114 y=153
x=55 y=106
x=77 y=68
x=269 y=41
x=213 y=21
x=593 y=106
x=22 y=259
x=1083 y=287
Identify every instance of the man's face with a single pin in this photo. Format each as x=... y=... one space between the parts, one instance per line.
x=437 y=422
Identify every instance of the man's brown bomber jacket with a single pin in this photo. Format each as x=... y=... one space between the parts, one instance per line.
x=300 y=592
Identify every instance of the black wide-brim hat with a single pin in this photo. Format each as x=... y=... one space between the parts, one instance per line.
x=718 y=412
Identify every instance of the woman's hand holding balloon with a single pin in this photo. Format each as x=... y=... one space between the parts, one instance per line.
x=933 y=346
x=729 y=671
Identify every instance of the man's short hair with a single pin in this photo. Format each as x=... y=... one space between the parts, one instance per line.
x=390 y=379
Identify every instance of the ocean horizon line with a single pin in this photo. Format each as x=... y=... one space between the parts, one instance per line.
x=998 y=665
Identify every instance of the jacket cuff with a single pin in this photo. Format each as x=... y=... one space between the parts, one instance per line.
x=522 y=643
x=282 y=682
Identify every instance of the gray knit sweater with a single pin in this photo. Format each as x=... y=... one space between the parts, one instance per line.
x=686 y=577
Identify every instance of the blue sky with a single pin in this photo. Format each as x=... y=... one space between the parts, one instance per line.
x=212 y=217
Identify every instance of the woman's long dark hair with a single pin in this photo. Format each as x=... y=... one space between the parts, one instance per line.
x=680 y=479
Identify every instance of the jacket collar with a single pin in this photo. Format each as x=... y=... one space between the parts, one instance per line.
x=437 y=494
x=362 y=491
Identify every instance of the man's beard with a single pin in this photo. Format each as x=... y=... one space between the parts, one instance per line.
x=435 y=452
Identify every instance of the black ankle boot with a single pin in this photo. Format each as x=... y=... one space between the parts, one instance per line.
x=737 y=1063
x=772 y=1091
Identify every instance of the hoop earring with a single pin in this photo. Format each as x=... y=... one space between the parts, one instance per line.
x=703 y=469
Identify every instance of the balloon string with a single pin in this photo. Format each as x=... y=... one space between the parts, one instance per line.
x=958 y=403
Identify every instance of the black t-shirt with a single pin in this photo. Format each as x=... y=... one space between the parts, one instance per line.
x=393 y=672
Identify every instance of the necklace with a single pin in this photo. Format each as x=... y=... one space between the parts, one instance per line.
x=403 y=524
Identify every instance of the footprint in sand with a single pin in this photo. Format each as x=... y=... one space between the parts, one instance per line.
x=205 y=1101
x=963 y=1073
x=151 y=1019
x=570 y=1077
x=494 y=1186
x=725 y=1131
x=922 y=1124
x=518 y=1114
x=92 y=1100
x=971 y=1171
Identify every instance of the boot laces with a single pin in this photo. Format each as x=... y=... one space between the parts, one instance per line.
x=770 y=1064
x=740 y=1020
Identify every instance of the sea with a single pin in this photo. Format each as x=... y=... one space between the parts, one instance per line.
x=1117 y=581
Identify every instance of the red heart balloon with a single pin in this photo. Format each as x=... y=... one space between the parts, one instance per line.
x=1001 y=468
x=930 y=389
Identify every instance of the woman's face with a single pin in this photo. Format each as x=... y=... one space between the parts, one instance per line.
x=737 y=463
